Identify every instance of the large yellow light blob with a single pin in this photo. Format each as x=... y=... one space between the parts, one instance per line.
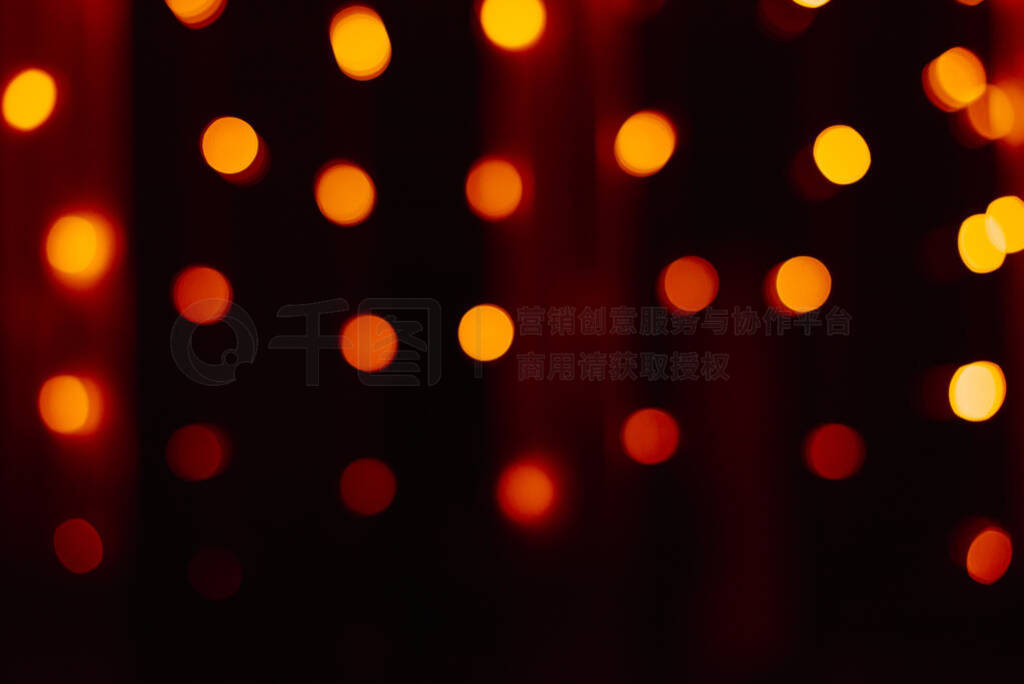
x=977 y=391
x=1008 y=213
x=230 y=145
x=79 y=249
x=196 y=13
x=811 y=3
x=494 y=189
x=29 y=99
x=981 y=243
x=486 y=332
x=645 y=143
x=992 y=115
x=955 y=79
x=344 y=193
x=842 y=155
x=360 y=43
x=803 y=284
x=70 y=405
x=513 y=24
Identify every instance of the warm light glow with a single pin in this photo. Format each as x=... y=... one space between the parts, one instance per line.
x=991 y=115
x=29 y=99
x=197 y=452
x=78 y=545
x=811 y=3
x=977 y=390
x=1008 y=214
x=981 y=243
x=803 y=284
x=526 y=492
x=368 y=342
x=688 y=284
x=841 y=155
x=989 y=555
x=197 y=13
x=970 y=3
x=367 y=486
x=230 y=145
x=954 y=79
x=215 y=574
x=70 y=404
x=202 y=294
x=486 y=332
x=344 y=193
x=79 y=249
x=494 y=189
x=360 y=42
x=650 y=436
x=513 y=24
x=644 y=144
x=834 y=451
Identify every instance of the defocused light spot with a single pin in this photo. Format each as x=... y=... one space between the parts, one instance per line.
x=650 y=436
x=803 y=284
x=991 y=115
x=1008 y=213
x=197 y=452
x=229 y=145
x=70 y=404
x=989 y=555
x=784 y=18
x=954 y=79
x=202 y=294
x=970 y=3
x=513 y=24
x=688 y=284
x=29 y=99
x=486 y=332
x=842 y=155
x=344 y=193
x=79 y=249
x=197 y=13
x=811 y=3
x=360 y=42
x=644 y=144
x=367 y=486
x=834 y=451
x=526 y=492
x=78 y=545
x=215 y=574
x=977 y=390
x=368 y=342
x=981 y=243
x=494 y=189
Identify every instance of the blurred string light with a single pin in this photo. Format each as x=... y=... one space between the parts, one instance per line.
x=800 y=284
x=977 y=390
x=29 y=99
x=70 y=404
x=526 y=491
x=79 y=249
x=196 y=13
x=344 y=193
x=368 y=342
x=367 y=486
x=215 y=574
x=360 y=43
x=1008 y=214
x=230 y=146
x=834 y=451
x=486 y=332
x=644 y=144
x=78 y=546
x=981 y=243
x=989 y=555
x=202 y=294
x=841 y=154
x=954 y=79
x=513 y=25
x=992 y=115
x=494 y=189
x=649 y=436
x=688 y=284
x=197 y=452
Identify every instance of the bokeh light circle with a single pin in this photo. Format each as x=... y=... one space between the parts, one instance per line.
x=29 y=99
x=813 y=4
x=989 y=555
x=954 y=79
x=360 y=43
x=494 y=189
x=197 y=452
x=367 y=486
x=344 y=193
x=981 y=244
x=229 y=145
x=513 y=25
x=526 y=492
x=834 y=451
x=79 y=249
x=368 y=342
x=196 y=13
x=70 y=404
x=841 y=154
x=78 y=546
x=202 y=294
x=803 y=284
x=688 y=284
x=992 y=115
x=977 y=390
x=649 y=436
x=644 y=144
x=486 y=332
x=1008 y=213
